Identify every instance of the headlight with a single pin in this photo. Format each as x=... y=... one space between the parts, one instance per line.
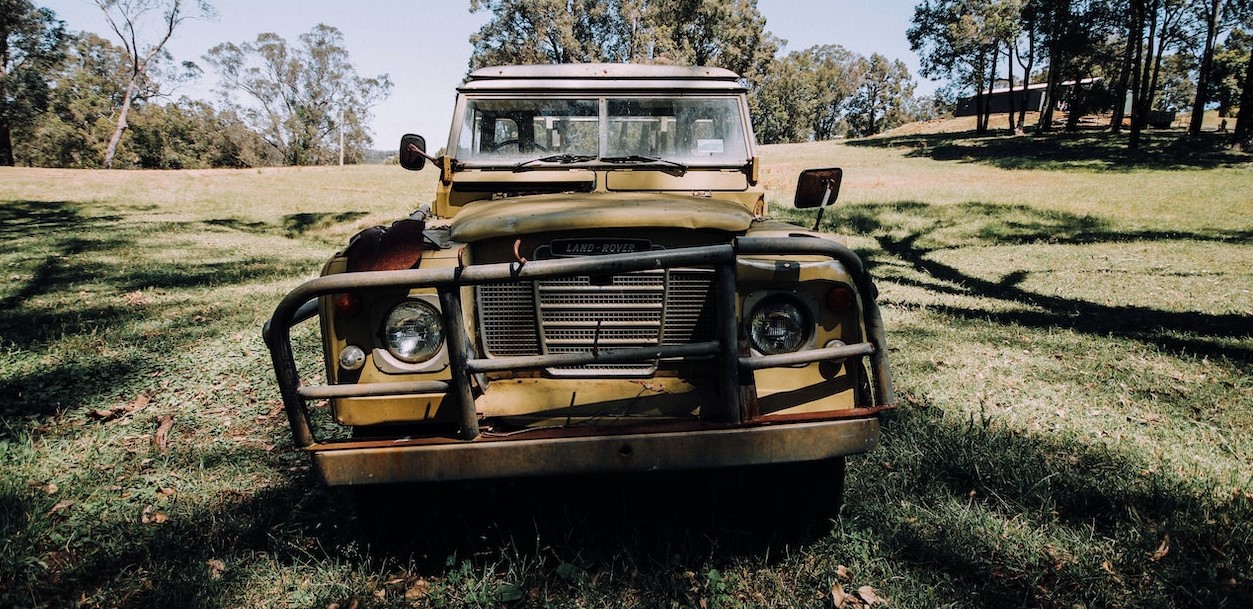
x=413 y=331
x=778 y=324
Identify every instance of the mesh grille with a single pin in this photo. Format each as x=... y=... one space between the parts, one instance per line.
x=571 y=315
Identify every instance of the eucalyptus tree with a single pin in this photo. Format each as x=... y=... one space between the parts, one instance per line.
x=724 y=33
x=958 y=40
x=130 y=21
x=297 y=97
x=32 y=44
x=881 y=100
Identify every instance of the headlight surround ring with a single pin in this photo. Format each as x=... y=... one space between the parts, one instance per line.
x=413 y=331
x=779 y=323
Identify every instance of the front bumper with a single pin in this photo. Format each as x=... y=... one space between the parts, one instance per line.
x=359 y=463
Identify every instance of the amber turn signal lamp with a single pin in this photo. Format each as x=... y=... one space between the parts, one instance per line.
x=839 y=299
x=347 y=304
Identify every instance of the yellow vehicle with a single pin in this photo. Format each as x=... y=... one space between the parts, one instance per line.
x=597 y=289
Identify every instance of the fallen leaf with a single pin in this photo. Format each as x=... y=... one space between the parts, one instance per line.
x=162 y=438
x=166 y=491
x=150 y=515
x=843 y=573
x=108 y=414
x=419 y=590
x=838 y=596
x=61 y=505
x=138 y=299
x=868 y=594
x=380 y=594
x=1162 y=550
x=216 y=568
x=50 y=488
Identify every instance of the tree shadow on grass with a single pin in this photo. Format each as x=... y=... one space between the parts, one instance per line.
x=958 y=492
x=94 y=288
x=1088 y=149
x=301 y=223
x=909 y=233
x=291 y=225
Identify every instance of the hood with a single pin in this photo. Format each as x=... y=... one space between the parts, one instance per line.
x=552 y=213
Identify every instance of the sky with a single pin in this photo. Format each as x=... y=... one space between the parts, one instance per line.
x=424 y=45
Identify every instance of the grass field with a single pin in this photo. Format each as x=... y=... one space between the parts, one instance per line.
x=1072 y=342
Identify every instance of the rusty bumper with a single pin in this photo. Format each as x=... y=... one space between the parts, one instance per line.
x=488 y=457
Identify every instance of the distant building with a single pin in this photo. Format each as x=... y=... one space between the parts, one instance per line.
x=999 y=100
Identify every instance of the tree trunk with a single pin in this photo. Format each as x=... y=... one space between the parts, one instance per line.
x=1144 y=97
x=6 y=135
x=1050 y=94
x=1026 y=79
x=1124 y=81
x=6 y=144
x=1009 y=68
x=127 y=98
x=1137 y=7
x=1243 y=135
x=1207 y=60
x=1075 y=108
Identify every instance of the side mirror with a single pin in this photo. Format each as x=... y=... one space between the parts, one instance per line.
x=817 y=187
x=413 y=152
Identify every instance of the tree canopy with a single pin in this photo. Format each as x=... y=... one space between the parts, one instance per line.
x=32 y=44
x=299 y=98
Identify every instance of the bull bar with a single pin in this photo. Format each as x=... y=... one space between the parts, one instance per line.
x=723 y=421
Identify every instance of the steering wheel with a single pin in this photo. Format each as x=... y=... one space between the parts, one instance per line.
x=516 y=142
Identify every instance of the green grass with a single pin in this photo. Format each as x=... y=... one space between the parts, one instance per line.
x=1072 y=347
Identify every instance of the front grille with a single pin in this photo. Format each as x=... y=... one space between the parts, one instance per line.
x=577 y=314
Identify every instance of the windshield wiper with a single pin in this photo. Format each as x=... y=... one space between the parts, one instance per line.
x=564 y=159
x=673 y=168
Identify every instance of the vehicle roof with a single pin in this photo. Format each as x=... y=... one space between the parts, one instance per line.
x=601 y=76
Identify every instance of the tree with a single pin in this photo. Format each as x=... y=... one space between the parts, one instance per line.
x=804 y=95
x=193 y=134
x=837 y=74
x=297 y=98
x=880 y=102
x=84 y=96
x=1243 y=133
x=546 y=31
x=783 y=104
x=32 y=44
x=127 y=19
x=1216 y=17
x=725 y=33
x=958 y=39
x=1227 y=71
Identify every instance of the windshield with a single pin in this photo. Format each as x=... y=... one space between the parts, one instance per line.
x=689 y=130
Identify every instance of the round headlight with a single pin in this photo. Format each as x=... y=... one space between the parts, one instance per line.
x=778 y=325
x=413 y=331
